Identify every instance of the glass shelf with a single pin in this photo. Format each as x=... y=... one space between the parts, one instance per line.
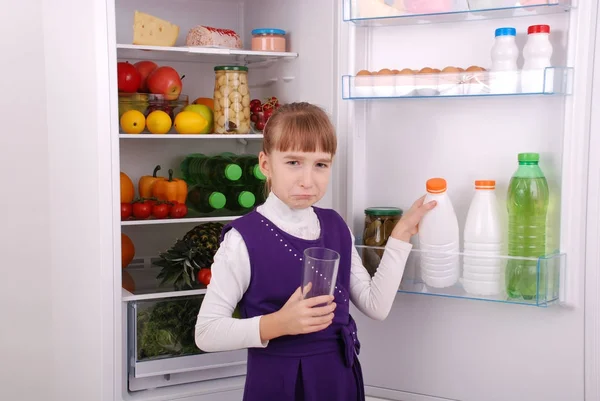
x=199 y=54
x=375 y=13
x=540 y=287
x=551 y=81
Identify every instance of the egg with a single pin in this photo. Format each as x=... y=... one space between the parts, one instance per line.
x=395 y=72
x=450 y=70
x=475 y=68
x=406 y=71
x=363 y=72
x=385 y=71
x=426 y=70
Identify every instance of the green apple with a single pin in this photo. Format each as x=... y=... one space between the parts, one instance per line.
x=205 y=112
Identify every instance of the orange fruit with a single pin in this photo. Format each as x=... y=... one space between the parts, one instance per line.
x=127 y=188
x=127 y=282
x=207 y=101
x=127 y=250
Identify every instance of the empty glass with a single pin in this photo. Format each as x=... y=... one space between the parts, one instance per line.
x=320 y=272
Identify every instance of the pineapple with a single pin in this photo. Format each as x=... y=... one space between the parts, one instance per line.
x=181 y=263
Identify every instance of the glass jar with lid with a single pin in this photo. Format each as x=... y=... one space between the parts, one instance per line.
x=231 y=100
x=379 y=223
x=268 y=40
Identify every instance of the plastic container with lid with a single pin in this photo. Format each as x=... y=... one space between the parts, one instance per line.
x=537 y=53
x=438 y=238
x=482 y=265
x=504 y=76
x=268 y=40
x=231 y=100
x=379 y=223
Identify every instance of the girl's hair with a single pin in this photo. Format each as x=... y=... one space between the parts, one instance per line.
x=301 y=127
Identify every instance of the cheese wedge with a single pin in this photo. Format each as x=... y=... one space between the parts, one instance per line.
x=152 y=31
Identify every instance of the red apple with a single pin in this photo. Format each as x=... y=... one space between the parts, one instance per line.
x=128 y=78
x=165 y=81
x=145 y=68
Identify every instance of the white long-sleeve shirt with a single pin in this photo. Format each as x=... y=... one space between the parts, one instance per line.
x=216 y=330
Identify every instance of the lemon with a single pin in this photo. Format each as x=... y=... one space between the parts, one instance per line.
x=158 y=122
x=133 y=122
x=189 y=122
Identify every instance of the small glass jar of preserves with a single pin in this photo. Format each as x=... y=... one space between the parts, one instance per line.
x=231 y=100
x=268 y=40
x=379 y=223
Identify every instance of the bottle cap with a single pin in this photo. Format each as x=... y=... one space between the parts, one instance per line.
x=506 y=31
x=233 y=172
x=529 y=158
x=258 y=174
x=246 y=199
x=436 y=185
x=538 y=29
x=485 y=184
x=217 y=200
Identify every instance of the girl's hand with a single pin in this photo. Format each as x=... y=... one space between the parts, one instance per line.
x=409 y=223
x=298 y=316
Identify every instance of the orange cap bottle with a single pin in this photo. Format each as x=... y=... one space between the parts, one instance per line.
x=436 y=185
x=485 y=184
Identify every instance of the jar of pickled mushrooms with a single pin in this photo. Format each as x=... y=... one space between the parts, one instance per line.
x=231 y=100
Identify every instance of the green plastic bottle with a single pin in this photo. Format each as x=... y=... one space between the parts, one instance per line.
x=239 y=199
x=205 y=200
x=214 y=171
x=251 y=170
x=527 y=204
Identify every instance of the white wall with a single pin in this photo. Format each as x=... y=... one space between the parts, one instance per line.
x=25 y=291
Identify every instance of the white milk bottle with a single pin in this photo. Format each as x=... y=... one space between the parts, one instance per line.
x=537 y=54
x=482 y=267
x=504 y=76
x=438 y=239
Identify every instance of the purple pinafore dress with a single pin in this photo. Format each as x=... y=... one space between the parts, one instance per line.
x=321 y=366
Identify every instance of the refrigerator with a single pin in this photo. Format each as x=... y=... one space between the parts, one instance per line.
x=435 y=344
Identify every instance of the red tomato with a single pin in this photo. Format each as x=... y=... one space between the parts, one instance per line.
x=268 y=107
x=128 y=77
x=204 y=276
x=160 y=210
x=142 y=210
x=125 y=211
x=178 y=211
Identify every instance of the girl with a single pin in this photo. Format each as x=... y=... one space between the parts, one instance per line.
x=297 y=350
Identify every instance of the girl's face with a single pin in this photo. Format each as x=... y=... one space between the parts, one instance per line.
x=298 y=178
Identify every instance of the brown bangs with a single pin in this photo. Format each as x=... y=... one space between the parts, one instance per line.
x=301 y=127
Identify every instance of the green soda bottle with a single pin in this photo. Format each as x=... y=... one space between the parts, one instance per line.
x=527 y=204
x=218 y=171
x=251 y=174
x=239 y=199
x=205 y=200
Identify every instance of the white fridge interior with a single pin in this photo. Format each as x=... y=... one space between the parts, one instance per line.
x=448 y=345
